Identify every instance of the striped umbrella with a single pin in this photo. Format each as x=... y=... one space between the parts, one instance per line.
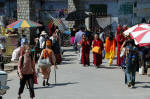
x=141 y=35
x=23 y=24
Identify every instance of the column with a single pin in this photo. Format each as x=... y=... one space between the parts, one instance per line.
x=26 y=10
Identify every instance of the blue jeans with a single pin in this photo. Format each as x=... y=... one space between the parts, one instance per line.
x=103 y=54
x=75 y=47
x=130 y=74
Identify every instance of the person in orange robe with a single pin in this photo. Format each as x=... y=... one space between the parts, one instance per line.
x=97 y=58
x=85 y=43
x=110 y=48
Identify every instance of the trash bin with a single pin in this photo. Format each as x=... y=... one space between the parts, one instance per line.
x=1 y=66
x=3 y=82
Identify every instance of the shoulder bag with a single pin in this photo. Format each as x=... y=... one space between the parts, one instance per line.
x=44 y=63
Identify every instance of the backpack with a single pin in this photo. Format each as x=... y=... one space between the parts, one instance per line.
x=22 y=60
x=132 y=54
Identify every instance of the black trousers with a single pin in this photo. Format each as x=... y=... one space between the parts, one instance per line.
x=29 y=79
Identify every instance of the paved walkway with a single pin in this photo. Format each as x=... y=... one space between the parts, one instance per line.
x=77 y=82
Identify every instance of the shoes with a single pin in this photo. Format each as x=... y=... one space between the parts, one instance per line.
x=19 y=97
x=43 y=82
x=48 y=84
x=129 y=84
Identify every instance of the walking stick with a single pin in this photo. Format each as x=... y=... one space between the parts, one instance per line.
x=55 y=75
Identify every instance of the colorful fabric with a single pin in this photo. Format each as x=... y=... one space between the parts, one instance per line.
x=110 y=49
x=23 y=24
x=72 y=40
x=97 y=58
x=47 y=53
x=97 y=50
x=141 y=35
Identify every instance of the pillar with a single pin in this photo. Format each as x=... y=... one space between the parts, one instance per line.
x=26 y=10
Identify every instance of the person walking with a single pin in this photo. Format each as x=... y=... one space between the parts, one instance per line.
x=56 y=47
x=120 y=40
x=23 y=41
x=85 y=44
x=97 y=58
x=110 y=48
x=73 y=32
x=26 y=70
x=78 y=38
x=47 y=52
x=42 y=40
x=131 y=53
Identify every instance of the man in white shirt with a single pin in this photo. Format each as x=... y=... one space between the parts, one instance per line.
x=42 y=39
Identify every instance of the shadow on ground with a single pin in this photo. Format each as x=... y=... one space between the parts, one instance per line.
x=58 y=84
x=69 y=55
x=144 y=86
x=110 y=67
x=64 y=63
x=68 y=59
x=69 y=50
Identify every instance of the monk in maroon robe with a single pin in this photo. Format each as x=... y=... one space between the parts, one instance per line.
x=119 y=29
x=85 y=59
x=120 y=40
x=97 y=58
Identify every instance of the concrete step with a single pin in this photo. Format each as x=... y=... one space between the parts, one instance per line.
x=10 y=66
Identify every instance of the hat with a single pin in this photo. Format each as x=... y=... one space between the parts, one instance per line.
x=43 y=33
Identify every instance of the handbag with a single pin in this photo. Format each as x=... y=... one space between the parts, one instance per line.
x=122 y=52
x=97 y=50
x=35 y=80
x=44 y=63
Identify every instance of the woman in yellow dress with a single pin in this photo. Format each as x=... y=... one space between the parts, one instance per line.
x=110 y=48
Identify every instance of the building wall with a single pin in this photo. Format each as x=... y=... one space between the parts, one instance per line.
x=8 y=8
x=114 y=9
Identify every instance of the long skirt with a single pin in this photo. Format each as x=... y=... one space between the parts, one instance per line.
x=45 y=72
x=72 y=40
x=97 y=59
x=85 y=60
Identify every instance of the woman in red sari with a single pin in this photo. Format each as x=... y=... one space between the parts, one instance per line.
x=85 y=43
x=120 y=40
x=97 y=58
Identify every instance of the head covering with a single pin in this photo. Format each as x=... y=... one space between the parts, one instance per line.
x=43 y=33
x=48 y=43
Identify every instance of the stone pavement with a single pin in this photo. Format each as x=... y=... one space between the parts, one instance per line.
x=77 y=82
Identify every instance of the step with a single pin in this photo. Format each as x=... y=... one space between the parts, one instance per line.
x=12 y=65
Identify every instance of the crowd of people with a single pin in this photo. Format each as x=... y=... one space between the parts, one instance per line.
x=45 y=52
x=130 y=57
x=104 y=45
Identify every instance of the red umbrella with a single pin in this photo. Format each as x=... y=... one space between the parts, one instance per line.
x=141 y=35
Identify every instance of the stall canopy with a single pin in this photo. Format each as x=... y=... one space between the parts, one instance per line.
x=23 y=24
